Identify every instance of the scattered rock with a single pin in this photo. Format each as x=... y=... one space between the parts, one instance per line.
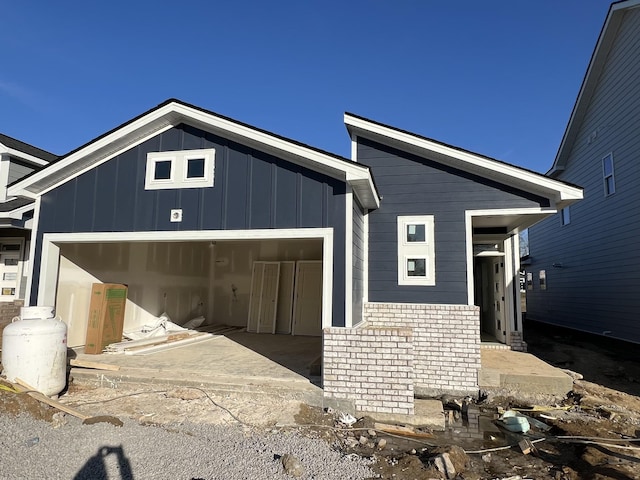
x=456 y=455
x=486 y=458
x=382 y=443
x=58 y=419
x=444 y=465
x=292 y=466
x=572 y=374
x=371 y=432
x=363 y=440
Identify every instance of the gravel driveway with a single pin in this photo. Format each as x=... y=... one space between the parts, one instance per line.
x=31 y=448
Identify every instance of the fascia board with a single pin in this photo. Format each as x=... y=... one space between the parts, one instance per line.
x=106 y=143
x=466 y=161
x=18 y=212
x=23 y=156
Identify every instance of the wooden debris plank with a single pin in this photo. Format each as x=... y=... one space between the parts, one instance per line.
x=24 y=387
x=166 y=346
x=405 y=430
x=164 y=342
x=75 y=362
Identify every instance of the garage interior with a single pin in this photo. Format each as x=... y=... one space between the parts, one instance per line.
x=267 y=287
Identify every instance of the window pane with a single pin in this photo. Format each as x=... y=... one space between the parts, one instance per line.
x=415 y=233
x=607 y=163
x=416 y=267
x=11 y=247
x=9 y=262
x=609 y=185
x=8 y=291
x=195 y=168
x=10 y=276
x=162 y=170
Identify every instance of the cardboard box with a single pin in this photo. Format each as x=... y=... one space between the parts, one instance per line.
x=106 y=316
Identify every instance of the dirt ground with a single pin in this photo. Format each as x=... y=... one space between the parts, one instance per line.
x=603 y=409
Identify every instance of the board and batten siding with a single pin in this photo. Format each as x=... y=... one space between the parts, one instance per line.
x=595 y=283
x=357 y=261
x=252 y=190
x=411 y=185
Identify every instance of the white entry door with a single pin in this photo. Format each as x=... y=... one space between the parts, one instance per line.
x=307 y=308
x=263 y=303
x=498 y=300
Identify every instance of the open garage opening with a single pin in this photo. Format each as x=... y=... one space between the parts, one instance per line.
x=270 y=289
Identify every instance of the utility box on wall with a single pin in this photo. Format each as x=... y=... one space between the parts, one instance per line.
x=106 y=316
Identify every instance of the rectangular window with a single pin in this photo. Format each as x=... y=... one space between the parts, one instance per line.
x=608 y=175
x=543 y=279
x=529 y=280
x=565 y=216
x=416 y=252
x=180 y=169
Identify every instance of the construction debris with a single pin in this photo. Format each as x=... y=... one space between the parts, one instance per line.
x=74 y=362
x=404 y=430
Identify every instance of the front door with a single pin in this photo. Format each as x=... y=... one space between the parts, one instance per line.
x=498 y=299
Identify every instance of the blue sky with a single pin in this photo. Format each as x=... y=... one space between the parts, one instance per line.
x=497 y=77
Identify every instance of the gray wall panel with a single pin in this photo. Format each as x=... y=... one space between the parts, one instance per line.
x=105 y=198
x=285 y=196
x=128 y=183
x=413 y=185
x=17 y=171
x=238 y=172
x=594 y=286
x=312 y=210
x=260 y=193
x=358 y=260
x=85 y=202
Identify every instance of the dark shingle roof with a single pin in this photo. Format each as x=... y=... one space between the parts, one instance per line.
x=26 y=148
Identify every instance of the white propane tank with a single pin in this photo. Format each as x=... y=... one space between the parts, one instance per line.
x=34 y=349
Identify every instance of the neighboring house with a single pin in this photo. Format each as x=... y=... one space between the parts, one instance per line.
x=17 y=159
x=584 y=270
x=197 y=212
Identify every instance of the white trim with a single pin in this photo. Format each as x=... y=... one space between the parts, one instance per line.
x=17 y=213
x=50 y=252
x=516 y=266
x=32 y=251
x=348 y=259
x=354 y=148
x=5 y=165
x=467 y=161
x=365 y=262
x=179 y=160
x=24 y=156
x=417 y=250
x=509 y=296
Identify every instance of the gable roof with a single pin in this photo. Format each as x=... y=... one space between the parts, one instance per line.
x=25 y=151
x=590 y=81
x=174 y=112
x=560 y=193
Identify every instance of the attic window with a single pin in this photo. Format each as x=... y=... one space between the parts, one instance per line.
x=180 y=169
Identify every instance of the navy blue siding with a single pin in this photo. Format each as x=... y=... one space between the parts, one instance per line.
x=411 y=185
x=252 y=190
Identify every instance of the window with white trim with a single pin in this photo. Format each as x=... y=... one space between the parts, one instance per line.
x=565 y=216
x=180 y=169
x=416 y=252
x=608 y=176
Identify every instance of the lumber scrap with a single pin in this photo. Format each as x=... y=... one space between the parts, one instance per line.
x=76 y=362
x=404 y=430
x=23 y=387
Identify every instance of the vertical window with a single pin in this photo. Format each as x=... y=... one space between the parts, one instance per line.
x=543 y=279
x=529 y=280
x=608 y=175
x=565 y=216
x=416 y=259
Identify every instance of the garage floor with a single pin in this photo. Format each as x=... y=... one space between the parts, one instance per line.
x=239 y=361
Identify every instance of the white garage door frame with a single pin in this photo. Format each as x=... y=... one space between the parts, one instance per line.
x=51 y=253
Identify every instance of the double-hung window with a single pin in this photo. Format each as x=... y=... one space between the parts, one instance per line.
x=180 y=169
x=608 y=176
x=416 y=252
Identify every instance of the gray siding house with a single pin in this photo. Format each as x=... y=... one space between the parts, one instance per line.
x=588 y=255
x=197 y=212
x=17 y=160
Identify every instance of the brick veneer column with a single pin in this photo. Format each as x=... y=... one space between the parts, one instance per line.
x=371 y=367
x=446 y=341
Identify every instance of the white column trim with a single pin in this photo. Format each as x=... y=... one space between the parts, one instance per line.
x=348 y=259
